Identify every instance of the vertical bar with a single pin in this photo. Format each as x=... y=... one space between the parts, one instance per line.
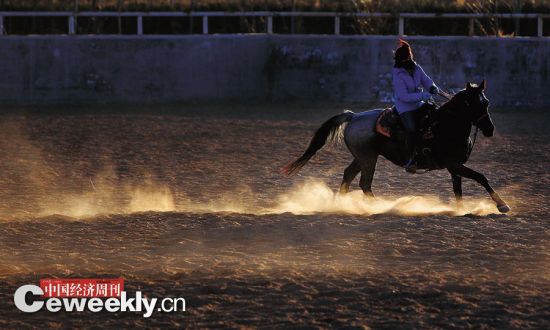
x=1 y=25
x=337 y=25
x=71 y=24
x=119 y=19
x=140 y=25
x=191 y=8
x=74 y=17
x=269 y=24
x=401 y=26
x=205 y=25
x=293 y=18
x=471 y=27
x=539 y=26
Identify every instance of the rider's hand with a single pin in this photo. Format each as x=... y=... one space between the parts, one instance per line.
x=426 y=96
x=434 y=90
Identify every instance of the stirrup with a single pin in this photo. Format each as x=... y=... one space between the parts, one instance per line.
x=410 y=167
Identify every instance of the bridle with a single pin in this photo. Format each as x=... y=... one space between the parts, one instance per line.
x=480 y=119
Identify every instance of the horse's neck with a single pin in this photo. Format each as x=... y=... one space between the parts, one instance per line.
x=452 y=120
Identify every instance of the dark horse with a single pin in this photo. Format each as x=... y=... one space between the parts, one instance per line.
x=450 y=146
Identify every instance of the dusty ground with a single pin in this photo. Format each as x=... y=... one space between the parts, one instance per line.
x=188 y=202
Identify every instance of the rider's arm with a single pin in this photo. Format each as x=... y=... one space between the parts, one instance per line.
x=401 y=92
x=426 y=81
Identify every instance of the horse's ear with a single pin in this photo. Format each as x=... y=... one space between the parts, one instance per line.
x=469 y=86
x=483 y=85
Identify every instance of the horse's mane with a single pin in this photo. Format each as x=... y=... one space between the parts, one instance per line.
x=452 y=101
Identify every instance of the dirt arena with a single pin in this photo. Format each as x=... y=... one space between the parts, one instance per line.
x=189 y=202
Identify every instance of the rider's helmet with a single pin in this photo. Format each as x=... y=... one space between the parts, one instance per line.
x=403 y=56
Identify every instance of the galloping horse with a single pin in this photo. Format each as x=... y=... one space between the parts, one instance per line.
x=450 y=147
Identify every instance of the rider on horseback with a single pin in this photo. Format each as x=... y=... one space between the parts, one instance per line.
x=409 y=84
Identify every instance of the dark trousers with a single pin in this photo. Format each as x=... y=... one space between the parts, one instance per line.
x=410 y=123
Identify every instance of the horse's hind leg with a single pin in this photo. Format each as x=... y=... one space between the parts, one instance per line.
x=367 y=174
x=349 y=174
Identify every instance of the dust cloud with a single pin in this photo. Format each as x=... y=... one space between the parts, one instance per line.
x=106 y=198
x=315 y=196
x=310 y=197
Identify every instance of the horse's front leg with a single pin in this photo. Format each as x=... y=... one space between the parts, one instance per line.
x=466 y=172
x=457 y=189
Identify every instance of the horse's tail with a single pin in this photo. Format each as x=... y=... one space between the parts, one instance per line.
x=330 y=130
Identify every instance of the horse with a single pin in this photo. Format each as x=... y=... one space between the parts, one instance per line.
x=450 y=147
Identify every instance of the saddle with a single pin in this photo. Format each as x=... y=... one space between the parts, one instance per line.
x=389 y=125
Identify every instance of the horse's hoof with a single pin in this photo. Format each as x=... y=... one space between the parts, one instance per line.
x=504 y=208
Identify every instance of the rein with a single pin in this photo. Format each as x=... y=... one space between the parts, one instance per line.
x=473 y=143
x=477 y=129
x=475 y=134
x=445 y=95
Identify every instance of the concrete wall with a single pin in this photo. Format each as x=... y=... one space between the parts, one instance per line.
x=106 y=69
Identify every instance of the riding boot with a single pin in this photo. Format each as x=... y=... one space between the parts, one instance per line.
x=410 y=145
x=409 y=124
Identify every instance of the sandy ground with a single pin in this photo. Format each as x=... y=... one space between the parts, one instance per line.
x=189 y=202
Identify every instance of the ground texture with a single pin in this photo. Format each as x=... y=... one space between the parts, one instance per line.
x=190 y=203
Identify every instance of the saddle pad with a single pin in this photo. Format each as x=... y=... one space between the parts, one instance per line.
x=383 y=123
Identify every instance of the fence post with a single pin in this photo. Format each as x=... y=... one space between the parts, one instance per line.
x=269 y=24
x=539 y=26
x=71 y=24
x=140 y=25
x=205 y=24
x=337 y=25
x=401 y=31
x=1 y=25
x=471 y=27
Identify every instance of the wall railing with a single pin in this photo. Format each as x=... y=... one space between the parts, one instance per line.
x=269 y=15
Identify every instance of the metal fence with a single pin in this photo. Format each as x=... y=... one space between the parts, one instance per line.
x=269 y=15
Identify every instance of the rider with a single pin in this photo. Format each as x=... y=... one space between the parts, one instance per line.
x=410 y=83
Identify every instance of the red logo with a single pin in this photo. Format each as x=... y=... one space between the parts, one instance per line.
x=82 y=287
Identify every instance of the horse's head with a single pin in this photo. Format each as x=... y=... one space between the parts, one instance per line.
x=477 y=106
